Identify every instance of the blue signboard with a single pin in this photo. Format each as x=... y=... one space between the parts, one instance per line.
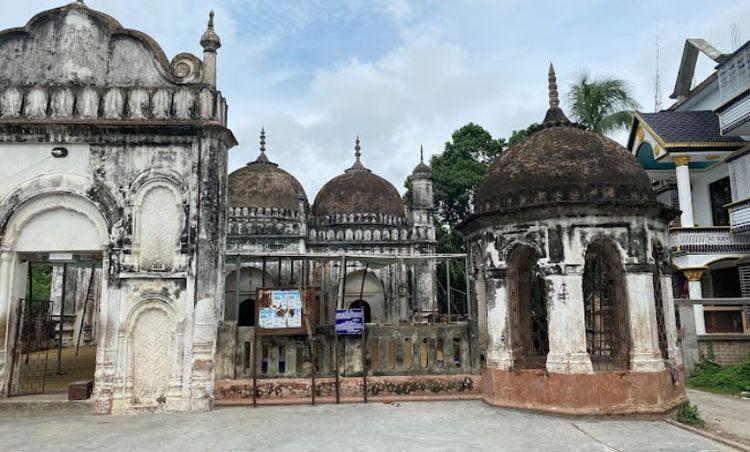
x=350 y=322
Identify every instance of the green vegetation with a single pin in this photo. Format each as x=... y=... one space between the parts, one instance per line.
x=689 y=414
x=731 y=379
x=41 y=282
x=604 y=105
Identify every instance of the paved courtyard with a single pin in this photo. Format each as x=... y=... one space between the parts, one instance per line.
x=451 y=426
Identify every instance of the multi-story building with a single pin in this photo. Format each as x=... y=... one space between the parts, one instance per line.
x=698 y=157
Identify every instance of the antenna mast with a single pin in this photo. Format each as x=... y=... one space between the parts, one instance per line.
x=657 y=81
x=736 y=35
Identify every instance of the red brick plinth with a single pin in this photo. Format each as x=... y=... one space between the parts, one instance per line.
x=603 y=392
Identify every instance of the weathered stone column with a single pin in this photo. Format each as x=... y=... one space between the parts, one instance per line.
x=644 y=354
x=499 y=351
x=5 y=330
x=683 y=191
x=695 y=292
x=567 y=326
x=670 y=321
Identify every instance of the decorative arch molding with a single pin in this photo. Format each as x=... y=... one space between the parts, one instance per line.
x=164 y=175
x=601 y=238
x=152 y=337
x=63 y=184
x=158 y=223
x=508 y=249
x=181 y=70
x=42 y=203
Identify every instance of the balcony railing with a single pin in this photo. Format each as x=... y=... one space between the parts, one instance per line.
x=735 y=114
x=739 y=216
x=708 y=240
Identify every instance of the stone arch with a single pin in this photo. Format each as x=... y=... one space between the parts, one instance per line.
x=51 y=202
x=527 y=305
x=251 y=279
x=158 y=222
x=152 y=336
x=606 y=306
x=369 y=288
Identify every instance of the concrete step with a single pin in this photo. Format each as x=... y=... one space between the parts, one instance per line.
x=45 y=405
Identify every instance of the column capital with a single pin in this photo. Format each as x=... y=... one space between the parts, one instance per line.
x=693 y=274
x=681 y=160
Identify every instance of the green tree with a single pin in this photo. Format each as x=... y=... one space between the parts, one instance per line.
x=457 y=171
x=604 y=105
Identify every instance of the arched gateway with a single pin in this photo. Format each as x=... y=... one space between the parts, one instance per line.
x=115 y=155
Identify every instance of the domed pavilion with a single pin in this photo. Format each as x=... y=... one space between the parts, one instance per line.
x=571 y=275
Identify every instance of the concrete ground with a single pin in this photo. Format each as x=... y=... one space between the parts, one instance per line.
x=451 y=426
x=725 y=416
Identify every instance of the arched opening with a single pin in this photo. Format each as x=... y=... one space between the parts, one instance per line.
x=605 y=307
x=251 y=279
x=658 y=255
x=368 y=288
x=365 y=306
x=246 y=316
x=527 y=300
x=53 y=262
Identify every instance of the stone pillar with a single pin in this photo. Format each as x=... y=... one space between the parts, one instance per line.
x=5 y=330
x=670 y=321
x=683 y=191
x=499 y=351
x=695 y=289
x=645 y=354
x=567 y=326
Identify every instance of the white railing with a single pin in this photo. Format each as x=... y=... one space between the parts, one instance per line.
x=708 y=240
x=739 y=216
x=735 y=114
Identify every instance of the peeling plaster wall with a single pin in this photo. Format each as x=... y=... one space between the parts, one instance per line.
x=145 y=163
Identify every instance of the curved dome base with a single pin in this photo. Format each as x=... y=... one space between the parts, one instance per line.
x=603 y=392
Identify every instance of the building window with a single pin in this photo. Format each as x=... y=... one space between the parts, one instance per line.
x=247 y=313
x=725 y=320
x=362 y=304
x=527 y=297
x=605 y=306
x=658 y=255
x=721 y=195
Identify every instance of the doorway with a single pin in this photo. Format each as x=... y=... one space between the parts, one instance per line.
x=56 y=324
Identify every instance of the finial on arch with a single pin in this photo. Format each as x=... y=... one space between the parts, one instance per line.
x=211 y=20
x=210 y=40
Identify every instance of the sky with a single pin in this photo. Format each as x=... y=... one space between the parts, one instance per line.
x=400 y=73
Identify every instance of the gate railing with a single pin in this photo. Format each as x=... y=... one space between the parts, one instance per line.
x=412 y=349
x=34 y=331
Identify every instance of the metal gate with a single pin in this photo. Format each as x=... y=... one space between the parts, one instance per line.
x=35 y=332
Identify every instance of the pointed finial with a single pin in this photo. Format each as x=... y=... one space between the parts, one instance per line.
x=554 y=101
x=421 y=153
x=262 y=156
x=210 y=40
x=358 y=166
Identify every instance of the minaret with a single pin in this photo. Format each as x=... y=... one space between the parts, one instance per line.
x=210 y=42
x=422 y=198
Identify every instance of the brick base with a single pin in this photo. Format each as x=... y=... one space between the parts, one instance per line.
x=724 y=351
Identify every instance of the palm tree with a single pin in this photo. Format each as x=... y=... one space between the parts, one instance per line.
x=604 y=105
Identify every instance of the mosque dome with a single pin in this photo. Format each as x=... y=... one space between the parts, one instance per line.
x=360 y=191
x=560 y=163
x=262 y=183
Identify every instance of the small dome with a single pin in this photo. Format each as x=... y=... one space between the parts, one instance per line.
x=263 y=184
x=210 y=40
x=358 y=190
x=560 y=163
x=422 y=169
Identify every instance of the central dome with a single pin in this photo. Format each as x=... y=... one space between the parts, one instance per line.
x=560 y=163
x=263 y=184
x=358 y=190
